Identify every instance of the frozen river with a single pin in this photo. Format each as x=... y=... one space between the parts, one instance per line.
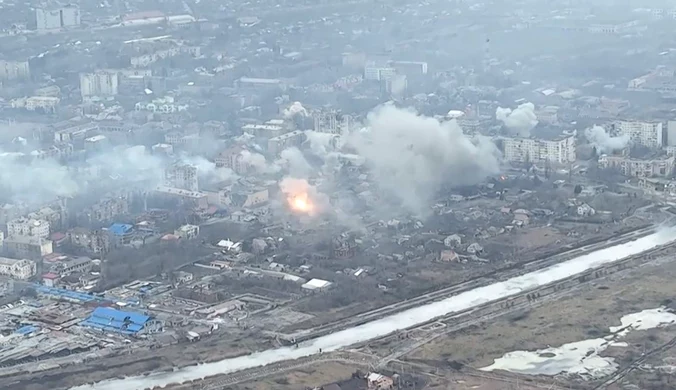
x=403 y=320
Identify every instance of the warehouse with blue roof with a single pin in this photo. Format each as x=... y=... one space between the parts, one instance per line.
x=112 y=320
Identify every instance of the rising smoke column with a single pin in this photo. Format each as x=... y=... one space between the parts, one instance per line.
x=520 y=121
x=411 y=155
x=258 y=162
x=295 y=162
x=599 y=138
x=295 y=109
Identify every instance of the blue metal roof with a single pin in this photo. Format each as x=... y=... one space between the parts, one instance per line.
x=120 y=229
x=67 y=294
x=113 y=320
x=28 y=329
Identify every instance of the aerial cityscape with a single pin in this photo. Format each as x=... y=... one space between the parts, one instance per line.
x=337 y=195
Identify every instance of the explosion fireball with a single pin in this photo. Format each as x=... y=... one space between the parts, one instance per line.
x=301 y=203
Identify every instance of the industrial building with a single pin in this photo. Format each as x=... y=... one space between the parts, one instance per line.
x=557 y=150
x=111 y=320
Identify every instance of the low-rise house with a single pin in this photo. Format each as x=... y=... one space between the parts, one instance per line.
x=453 y=241
x=187 y=232
x=377 y=381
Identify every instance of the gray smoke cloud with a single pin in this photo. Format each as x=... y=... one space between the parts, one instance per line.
x=411 y=155
x=599 y=138
x=520 y=121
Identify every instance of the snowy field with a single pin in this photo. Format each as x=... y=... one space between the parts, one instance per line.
x=395 y=322
x=582 y=357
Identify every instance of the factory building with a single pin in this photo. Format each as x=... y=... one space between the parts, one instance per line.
x=183 y=176
x=642 y=133
x=108 y=319
x=557 y=150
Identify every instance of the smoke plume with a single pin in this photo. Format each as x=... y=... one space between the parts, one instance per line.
x=295 y=162
x=599 y=138
x=411 y=155
x=322 y=143
x=520 y=121
x=258 y=162
x=295 y=109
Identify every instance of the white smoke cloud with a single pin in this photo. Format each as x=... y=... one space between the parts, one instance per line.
x=520 y=121
x=411 y=156
x=295 y=162
x=258 y=162
x=295 y=109
x=599 y=138
x=322 y=144
x=208 y=172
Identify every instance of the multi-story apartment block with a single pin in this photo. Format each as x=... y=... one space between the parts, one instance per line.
x=661 y=166
x=558 y=150
x=28 y=227
x=17 y=269
x=642 y=133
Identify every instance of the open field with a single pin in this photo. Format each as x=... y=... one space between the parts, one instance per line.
x=586 y=315
x=307 y=377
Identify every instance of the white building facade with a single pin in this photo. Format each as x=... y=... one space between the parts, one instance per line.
x=28 y=227
x=17 y=269
x=642 y=133
x=100 y=83
x=657 y=167
x=57 y=18
x=560 y=150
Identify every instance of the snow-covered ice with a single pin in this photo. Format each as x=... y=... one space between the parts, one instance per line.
x=403 y=320
x=582 y=357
